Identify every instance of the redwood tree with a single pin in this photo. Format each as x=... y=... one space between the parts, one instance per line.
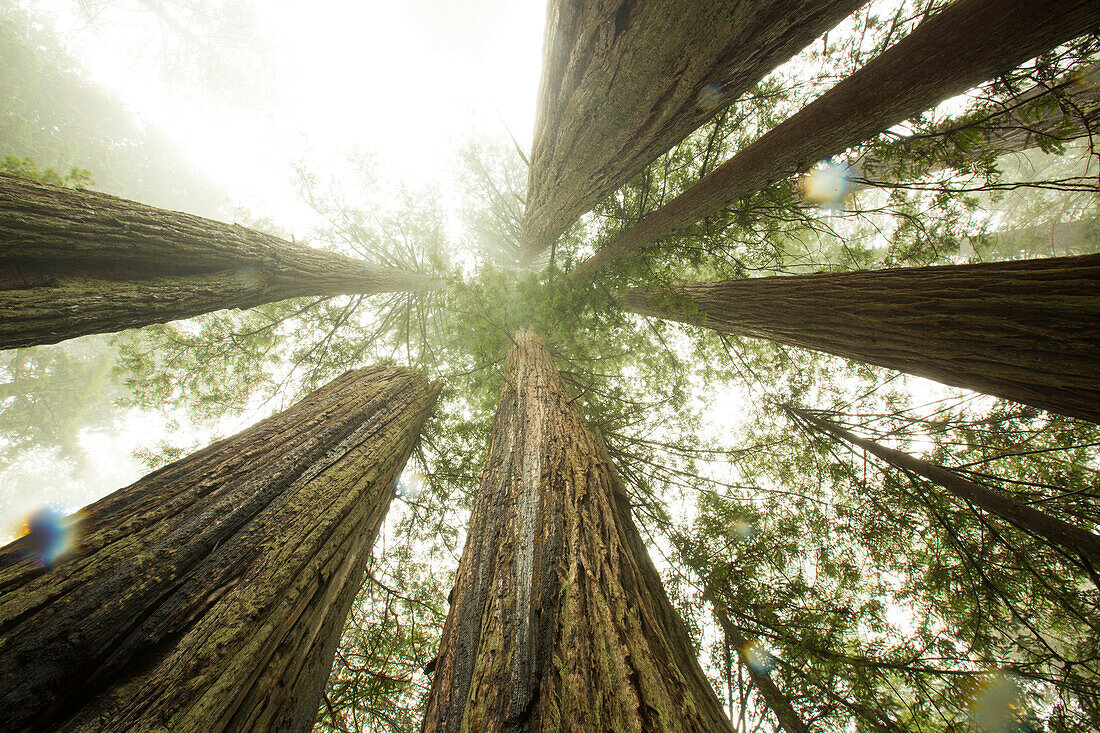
x=76 y=262
x=965 y=44
x=1027 y=330
x=210 y=595
x=558 y=618
x=623 y=82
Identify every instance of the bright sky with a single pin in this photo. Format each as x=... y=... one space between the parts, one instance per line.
x=404 y=81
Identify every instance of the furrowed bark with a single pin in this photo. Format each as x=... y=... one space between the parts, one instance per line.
x=79 y=262
x=558 y=618
x=1027 y=330
x=1073 y=540
x=206 y=596
x=1024 y=122
x=965 y=44
x=621 y=85
x=788 y=718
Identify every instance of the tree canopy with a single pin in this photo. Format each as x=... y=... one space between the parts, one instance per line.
x=859 y=590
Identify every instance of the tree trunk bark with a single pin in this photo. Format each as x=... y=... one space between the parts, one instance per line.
x=1073 y=540
x=1021 y=123
x=625 y=80
x=558 y=618
x=1027 y=330
x=79 y=262
x=965 y=44
x=209 y=595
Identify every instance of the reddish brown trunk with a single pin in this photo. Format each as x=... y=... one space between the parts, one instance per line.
x=558 y=618
x=79 y=262
x=622 y=81
x=967 y=43
x=206 y=596
x=1027 y=330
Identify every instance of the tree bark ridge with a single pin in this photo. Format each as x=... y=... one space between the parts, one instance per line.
x=558 y=618
x=197 y=598
x=965 y=44
x=621 y=85
x=79 y=262
x=1026 y=330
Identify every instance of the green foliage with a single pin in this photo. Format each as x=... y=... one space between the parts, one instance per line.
x=25 y=168
x=50 y=113
x=886 y=601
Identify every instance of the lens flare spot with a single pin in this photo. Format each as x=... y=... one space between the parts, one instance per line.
x=758 y=657
x=741 y=530
x=247 y=276
x=827 y=185
x=710 y=97
x=48 y=535
x=410 y=485
x=997 y=705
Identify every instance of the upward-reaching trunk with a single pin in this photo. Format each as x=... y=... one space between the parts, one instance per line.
x=1071 y=539
x=79 y=262
x=210 y=594
x=624 y=81
x=1027 y=330
x=558 y=618
x=965 y=44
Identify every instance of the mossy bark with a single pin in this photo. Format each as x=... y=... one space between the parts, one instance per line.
x=79 y=262
x=966 y=43
x=621 y=85
x=1027 y=330
x=1071 y=539
x=558 y=619
x=209 y=595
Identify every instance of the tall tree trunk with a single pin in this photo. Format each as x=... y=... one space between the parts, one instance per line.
x=79 y=262
x=209 y=595
x=1041 y=114
x=1073 y=540
x=558 y=618
x=965 y=44
x=625 y=80
x=788 y=718
x=1027 y=330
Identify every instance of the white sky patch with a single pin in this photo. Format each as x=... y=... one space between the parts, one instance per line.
x=401 y=80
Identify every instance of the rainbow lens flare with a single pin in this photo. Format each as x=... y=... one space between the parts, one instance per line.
x=48 y=535
x=826 y=185
x=710 y=97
